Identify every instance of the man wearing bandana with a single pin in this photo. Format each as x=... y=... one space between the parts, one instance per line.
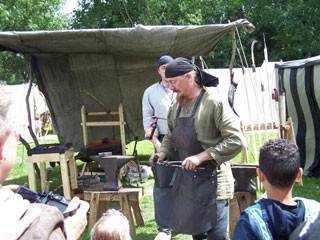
x=206 y=134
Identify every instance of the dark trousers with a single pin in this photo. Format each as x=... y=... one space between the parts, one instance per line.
x=218 y=232
x=162 y=208
x=162 y=204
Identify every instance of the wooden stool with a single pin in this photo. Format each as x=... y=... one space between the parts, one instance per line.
x=64 y=157
x=128 y=197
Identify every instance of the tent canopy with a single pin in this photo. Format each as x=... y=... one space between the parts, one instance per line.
x=114 y=65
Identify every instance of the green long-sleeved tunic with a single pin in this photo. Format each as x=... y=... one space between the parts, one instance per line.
x=218 y=131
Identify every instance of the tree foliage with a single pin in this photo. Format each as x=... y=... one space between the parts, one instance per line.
x=26 y=15
x=290 y=26
x=122 y=13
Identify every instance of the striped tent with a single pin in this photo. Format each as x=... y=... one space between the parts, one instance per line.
x=299 y=81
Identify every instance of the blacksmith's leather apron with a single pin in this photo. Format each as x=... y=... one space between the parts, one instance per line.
x=193 y=192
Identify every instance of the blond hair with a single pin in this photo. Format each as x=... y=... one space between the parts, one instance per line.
x=113 y=225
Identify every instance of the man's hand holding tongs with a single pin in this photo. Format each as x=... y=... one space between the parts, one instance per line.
x=161 y=156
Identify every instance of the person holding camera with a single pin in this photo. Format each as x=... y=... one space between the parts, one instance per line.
x=206 y=134
x=20 y=219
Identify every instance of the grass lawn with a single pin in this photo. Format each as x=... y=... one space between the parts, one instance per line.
x=18 y=175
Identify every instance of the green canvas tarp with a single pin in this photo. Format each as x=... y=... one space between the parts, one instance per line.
x=114 y=65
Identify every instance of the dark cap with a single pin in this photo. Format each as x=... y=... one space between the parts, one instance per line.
x=181 y=66
x=165 y=59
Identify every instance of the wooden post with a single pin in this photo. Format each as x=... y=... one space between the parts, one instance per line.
x=282 y=112
x=237 y=205
x=122 y=131
x=290 y=129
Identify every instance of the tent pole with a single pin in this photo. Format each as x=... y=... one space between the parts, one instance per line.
x=28 y=105
x=29 y=112
x=257 y=90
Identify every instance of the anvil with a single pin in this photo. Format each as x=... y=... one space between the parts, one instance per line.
x=243 y=173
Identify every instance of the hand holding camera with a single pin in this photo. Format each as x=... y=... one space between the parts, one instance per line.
x=47 y=198
x=16 y=214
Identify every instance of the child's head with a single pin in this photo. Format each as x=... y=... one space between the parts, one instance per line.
x=113 y=225
x=280 y=162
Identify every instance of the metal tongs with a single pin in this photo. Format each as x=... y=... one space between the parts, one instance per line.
x=176 y=164
x=155 y=162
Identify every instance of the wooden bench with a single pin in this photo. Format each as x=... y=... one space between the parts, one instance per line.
x=127 y=197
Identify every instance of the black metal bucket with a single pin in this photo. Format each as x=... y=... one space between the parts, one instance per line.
x=164 y=173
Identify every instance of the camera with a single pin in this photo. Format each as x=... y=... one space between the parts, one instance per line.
x=47 y=198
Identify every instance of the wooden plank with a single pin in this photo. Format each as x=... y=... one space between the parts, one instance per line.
x=44 y=157
x=102 y=113
x=84 y=125
x=103 y=124
x=73 y=171
x=137 y=213
x=126 y=210
x=122 y=131
x=94 y=206
x=43 y=175
x=65 y=177
x=113 y=195
x=234 y=214
x=238 y=204
x=31 y=175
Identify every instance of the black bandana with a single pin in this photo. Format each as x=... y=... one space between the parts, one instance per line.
x=181 y=66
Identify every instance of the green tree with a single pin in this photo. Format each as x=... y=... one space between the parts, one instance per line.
x=125 y=13
x=290 y=27
x=26 y=15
